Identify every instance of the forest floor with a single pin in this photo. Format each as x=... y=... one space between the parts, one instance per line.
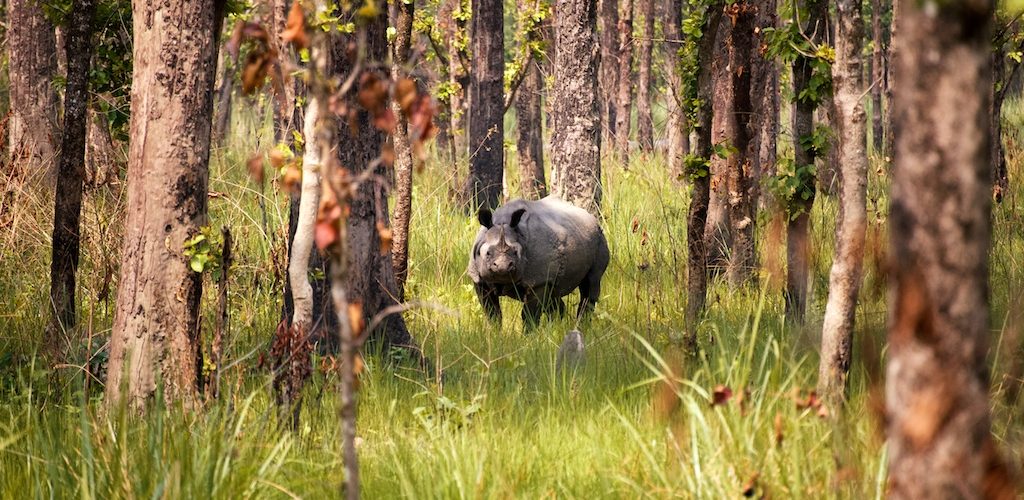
x=503 y=423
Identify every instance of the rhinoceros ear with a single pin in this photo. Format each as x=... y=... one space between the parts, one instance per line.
x=484 y=216
x=516 y=217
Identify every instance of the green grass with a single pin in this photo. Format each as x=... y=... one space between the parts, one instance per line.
x=503 y=423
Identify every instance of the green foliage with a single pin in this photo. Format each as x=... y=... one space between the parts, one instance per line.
x=203 y=252
x=788 y=44
x=696 y=167
x=792 y=185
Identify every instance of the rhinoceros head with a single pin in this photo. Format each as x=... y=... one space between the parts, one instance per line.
x=500 y=254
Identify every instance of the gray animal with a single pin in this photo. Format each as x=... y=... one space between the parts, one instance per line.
x=538 y=252
x=571 y=353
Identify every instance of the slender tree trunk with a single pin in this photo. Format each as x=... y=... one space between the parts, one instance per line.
x=677 y=127
x=644 y=118
x=458 y=80
x=287 y=116
x=156 y=325
x=309 y=202
x=222 y=118
x=740 y=165
x=609 y=83
x=937 y=385
x=403 y=150
x=71 y=177
x=798 y=228
x=851 y=228
x=104 y=161
x=888 y=134
x=717 y=234
x=577 y=144
x=529 y=142
x=32 y=64
x=1000 y=176
x=877 y=75
x=764 y=93
x=697 y=213
x=624 y=97
x=487 y=106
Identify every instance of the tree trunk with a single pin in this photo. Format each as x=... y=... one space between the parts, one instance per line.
x=458 y=80
x=1000 y=176
x=798 y=228
x=697 y=213
x=937 y=385
x=487 y=106
x=155 y=337
x=222 y=117
x=624 y=97
x=32 y=63
x=71 y=176
x=529 y=140
x=309 y=202
x=403 y=150
x=877 y=75
x=678 y=136
x=847 y=265
x=609 y=67
x=889 y=137
x=576 y=147
x=644 y=119
x=740 y=165
x=104 y=160
x=287 y=116
x=717 y=234
x=764 y=94
x=370 y=279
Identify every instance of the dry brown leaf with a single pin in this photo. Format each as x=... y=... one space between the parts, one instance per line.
x=255 y=168
x=405 y=94
x=720 y=395
x=386 y=237
x=295 y=27
x=355 y=318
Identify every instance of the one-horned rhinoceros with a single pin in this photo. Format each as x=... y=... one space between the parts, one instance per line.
x=538 y=252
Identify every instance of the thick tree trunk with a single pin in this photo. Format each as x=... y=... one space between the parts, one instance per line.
x=529 y=140
x=877 y=75
x=487 y=106
x=403 y=150
x=32 y=64
x=677 y=127
x=937 y=384
x=847 y=265
x=104 y=160
x=644 y=118
x=624 y=93
x=798 y=227
x=609 y=85
x=697 y=213
x=155 y=337
x=576 y=147
x=740 y=165
x=370 y=279
x=71 y=177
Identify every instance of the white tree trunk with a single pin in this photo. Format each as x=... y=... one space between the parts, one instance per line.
x=302 y=244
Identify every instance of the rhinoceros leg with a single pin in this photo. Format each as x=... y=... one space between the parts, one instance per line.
x=590 y=291
x=488 y=296
x=532 y=308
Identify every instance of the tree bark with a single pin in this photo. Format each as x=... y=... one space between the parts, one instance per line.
x=677 y=127
x=403 y=150
x=877 y=75
x=487 y=105
x=104 y=160
x=764 y=94
x=576 y=147
x=529 y=140
x=458 y=79
x=847 y=265
x=740 y=165
x=609 y=82
x=32 y=64
x=71 y=177
x=697 y=212
x=798 y=227
x=937 y=385
x=287 y=116
x=155 y=336
x=370 y=277
x=309 y=201
x=717 y=234
x=624 y=94
x=644 y=118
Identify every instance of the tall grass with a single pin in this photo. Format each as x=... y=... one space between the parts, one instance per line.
x=636 y=420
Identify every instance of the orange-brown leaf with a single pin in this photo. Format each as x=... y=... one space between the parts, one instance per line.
x=292 y=177
x=405 y=94
x=234 y=44
x=355 y=318
x=277 y=158
x=386 y=237
x=295 y=27
x=255 y=72
x=720 y=395
x=255 y=167
x=778 y=429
